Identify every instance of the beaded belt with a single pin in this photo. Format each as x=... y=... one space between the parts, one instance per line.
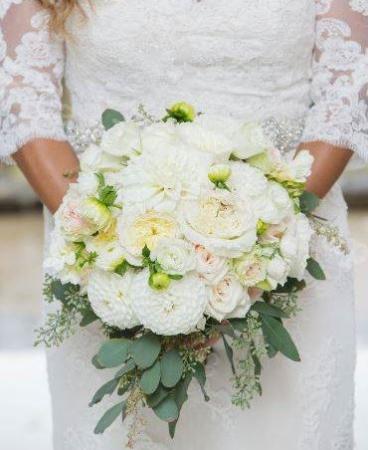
x=285 y=134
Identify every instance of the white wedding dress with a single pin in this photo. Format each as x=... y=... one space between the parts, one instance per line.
x=291 y=60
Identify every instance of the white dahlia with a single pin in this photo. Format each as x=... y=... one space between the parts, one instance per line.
x=111 y=300
x=294 y=245
x=175 y=310
x=139 y=229
x=228 y=299
x=175 y=256
x=162 y=179
x=220 y=222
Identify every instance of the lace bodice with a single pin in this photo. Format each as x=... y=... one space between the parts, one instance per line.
x=283 y=58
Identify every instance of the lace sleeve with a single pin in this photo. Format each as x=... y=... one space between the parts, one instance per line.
x=31 y=68
x=340 y=76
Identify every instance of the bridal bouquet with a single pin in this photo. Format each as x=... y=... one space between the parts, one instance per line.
x=181 y=234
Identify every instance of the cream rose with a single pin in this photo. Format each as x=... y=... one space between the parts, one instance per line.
x=228 y=299
x=251 y=269
x=210 y=267
x=221 y=223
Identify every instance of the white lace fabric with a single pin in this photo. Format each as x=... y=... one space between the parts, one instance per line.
x=32 y=61
x=340 y=76
x=31 y=69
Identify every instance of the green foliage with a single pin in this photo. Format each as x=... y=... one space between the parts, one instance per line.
x=278 y=337
x=171 y=368
x=315 y=269
x=308 y=202
x=229 y=353
x=150 y=379
x=113 y=352
x=167 y=410
x=145 y=350
x=111 y=117
x=106 y=193
x=106 y=389
x=109 y=417
x=157 y=397
x=200 y=376
x=268 y=310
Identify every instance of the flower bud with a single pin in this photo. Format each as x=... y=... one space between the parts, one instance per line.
x=219 y=173
x=182 y=112
x=159 y=281
x=261 y=227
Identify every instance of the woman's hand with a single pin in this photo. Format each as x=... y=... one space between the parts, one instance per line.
x=49 y=166
x=329 y=163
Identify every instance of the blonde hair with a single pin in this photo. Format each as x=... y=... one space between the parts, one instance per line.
x=60 y=10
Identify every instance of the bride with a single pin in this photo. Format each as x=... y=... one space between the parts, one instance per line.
x=300 y=67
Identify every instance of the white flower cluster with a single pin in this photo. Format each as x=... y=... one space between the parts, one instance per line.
x=178 y=221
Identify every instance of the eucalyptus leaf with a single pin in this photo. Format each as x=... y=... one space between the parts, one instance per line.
x=88 y=317
x=315 y=269
x=279 y=338
x=150 y=379
x=145 y=350
x=109 y=417
x=171 y=368
x=110 y=117
x=200 y=376
x=238 y=324
x=106 y=389
x=160 y=394
x=130 y=365
x=97 y=363
x=268 y=310
x=229 y=353
x=167 y=410
x=113 y=352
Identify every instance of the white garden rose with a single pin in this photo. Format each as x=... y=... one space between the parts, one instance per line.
x=175 y=310
x=93 y=159
x=220 y=222
x=273 y=205
x=59 y=254
x=122 y=140
x=87 y=183
x=250 y=268
x=250 y=140
x=294 y=245
x=111 y=299
x=247 y=181
x=228 y=299
x=96 y=213
x=293 y=170
x=159 y=135
x=110 y=254
x=277 y=271
x=139 y=229
x=162 y=179
x=211 y=268
x=70 y=216
x=209 y=135
x=175 y=256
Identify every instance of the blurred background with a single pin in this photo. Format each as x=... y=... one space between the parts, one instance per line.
x=25 y=419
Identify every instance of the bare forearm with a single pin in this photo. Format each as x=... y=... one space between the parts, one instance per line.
x=329 y=163
x=49 y=166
